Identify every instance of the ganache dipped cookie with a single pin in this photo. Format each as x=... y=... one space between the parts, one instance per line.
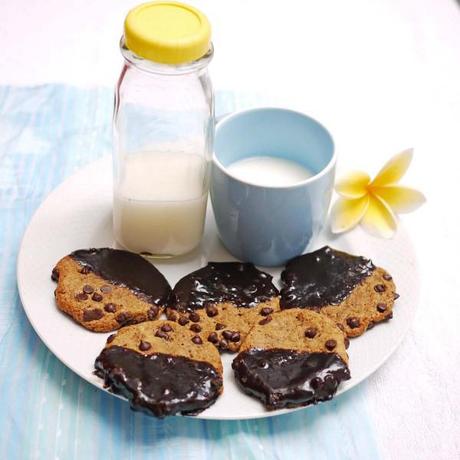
x=296 y=359
x=105 y=289
x=222 y=301
x=161 y=368
x=349 y=289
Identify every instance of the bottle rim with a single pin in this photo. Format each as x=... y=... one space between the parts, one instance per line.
x=150 y=66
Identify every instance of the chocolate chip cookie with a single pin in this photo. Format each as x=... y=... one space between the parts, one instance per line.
x=297 y=358
x=161 y=368
x=104 y=289
x=349 y=289
x=222 y=301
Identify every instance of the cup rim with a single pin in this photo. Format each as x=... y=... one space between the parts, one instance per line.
x=330 y=165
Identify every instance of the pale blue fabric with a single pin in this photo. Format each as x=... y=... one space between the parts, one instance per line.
x=46 y=411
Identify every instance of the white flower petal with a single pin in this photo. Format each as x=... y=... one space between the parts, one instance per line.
x=346 y=214
x=394 y=169
x=400 y=199
x=379 y=219
x=353 y=184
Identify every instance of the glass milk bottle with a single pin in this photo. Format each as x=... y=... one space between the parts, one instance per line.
x=163 y=130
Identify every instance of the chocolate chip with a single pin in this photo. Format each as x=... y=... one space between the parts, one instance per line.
x=161 y=334
x=315 y=383
x=55 y=274
x=353 y=322
x=195 y=328
x=347 y=343
x=87 y=289
x=123 y=317
x=183 y=320
x=55 y=293
x=153 y=312
x=311 y=332
x=81 y=296
x=213 y=338
x=92 y=314
x=389 y=316
x=166 y=328
x=266 y=311
x=96 y=297
x=110 y=338
x=220 y=326
x=144 y=346
x=144 y=297
x=223 y=345
x=235 y=337
x=85 y=270
x=171 y=315
x=211 y=311
x=379 y=288
x=330 y=344
x=381 y=307
x=196 y=339
x=194 y=316
x=370 y=325
x=105 y=289
x=395 y=295
x=110 y=308
x=227 y=334
x=266 y=320
x=387 y=277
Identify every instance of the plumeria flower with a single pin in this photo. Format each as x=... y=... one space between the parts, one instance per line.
x=376 y=202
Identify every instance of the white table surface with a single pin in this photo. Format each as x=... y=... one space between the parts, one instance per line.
x=383 y=75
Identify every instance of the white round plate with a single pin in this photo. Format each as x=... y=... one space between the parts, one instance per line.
x=78 y=215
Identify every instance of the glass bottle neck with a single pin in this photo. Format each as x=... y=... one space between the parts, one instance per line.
x=165 y=69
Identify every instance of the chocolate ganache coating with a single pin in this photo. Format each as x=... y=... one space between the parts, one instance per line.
x=323 y=277
x=289 y=378
x=159 y=384
x=127 y=269
x=239 y=283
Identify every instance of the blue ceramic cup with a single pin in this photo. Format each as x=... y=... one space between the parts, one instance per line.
x=268 y=225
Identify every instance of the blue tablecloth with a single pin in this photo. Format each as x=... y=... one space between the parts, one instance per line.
x=48 y=412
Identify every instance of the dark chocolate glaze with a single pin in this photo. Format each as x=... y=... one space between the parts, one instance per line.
x=127 y=269
x=323 y=277
x=159 y=384
x=289 y=378
x=239 y=283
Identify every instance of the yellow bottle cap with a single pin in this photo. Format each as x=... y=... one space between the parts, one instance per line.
x=167 y=32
